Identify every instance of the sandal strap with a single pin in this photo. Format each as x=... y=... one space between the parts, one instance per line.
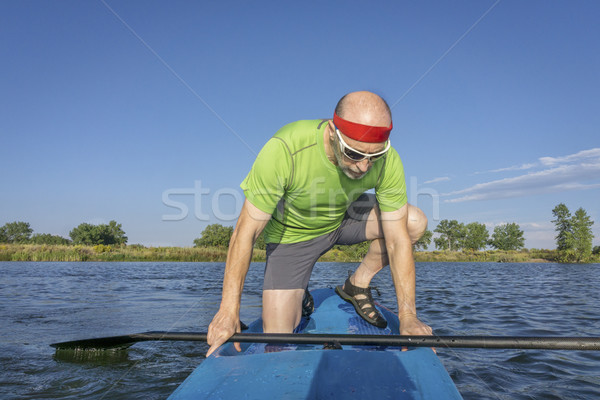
x=352 y=290
x=366 y=305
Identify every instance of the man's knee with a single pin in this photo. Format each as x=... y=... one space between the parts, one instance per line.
x=282 y=310
x=417 y=223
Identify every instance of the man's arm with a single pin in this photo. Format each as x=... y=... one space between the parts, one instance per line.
x=226 y=322
x=402 y=265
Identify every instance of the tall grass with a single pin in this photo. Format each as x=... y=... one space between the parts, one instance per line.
x=29 y=252
x=33 y=252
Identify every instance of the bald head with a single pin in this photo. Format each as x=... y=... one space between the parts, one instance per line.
x=364 y=108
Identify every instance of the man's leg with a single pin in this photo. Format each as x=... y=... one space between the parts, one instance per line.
x=282 y=310
x=287 y=273
x=376 y=257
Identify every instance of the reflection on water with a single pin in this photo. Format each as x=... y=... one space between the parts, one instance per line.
x=43 y=303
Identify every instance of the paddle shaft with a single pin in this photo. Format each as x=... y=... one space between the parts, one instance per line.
x=482 y=342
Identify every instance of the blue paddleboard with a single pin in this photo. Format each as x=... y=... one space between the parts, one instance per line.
x=270 y=371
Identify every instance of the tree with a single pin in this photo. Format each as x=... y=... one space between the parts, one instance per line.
x=507 y=237
x=562 y=222
x=91 y=235
x=581 y=225
x=451 y=233
x=214 y=235
x=46 y=238
x=84 y=234
x=112 y=233
x=16 y=232
x=574 y=234
x=424 y=241
x=476 y=237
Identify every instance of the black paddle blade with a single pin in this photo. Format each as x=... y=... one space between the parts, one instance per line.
x=112 y=342
x=124 y=341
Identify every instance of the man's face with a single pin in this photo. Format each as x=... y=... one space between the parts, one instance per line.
x=355 y=169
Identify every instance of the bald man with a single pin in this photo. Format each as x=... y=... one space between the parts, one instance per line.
x=306 y=190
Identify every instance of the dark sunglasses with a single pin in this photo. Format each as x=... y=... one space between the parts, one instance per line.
x=356 y=155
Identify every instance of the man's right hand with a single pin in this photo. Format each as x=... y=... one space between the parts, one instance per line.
x=223 y=326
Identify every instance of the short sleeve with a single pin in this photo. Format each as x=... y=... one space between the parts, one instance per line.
x=266 y=182
x=391 y=189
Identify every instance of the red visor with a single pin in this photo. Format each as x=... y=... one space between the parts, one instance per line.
x=360 y=132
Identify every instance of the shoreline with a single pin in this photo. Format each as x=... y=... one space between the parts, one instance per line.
x=62 y=253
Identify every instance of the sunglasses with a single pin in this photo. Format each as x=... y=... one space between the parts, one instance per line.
x=356 y=155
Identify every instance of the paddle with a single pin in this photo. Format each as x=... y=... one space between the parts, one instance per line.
x=480 y=342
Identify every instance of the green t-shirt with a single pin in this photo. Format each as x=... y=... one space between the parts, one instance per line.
x=307 y=195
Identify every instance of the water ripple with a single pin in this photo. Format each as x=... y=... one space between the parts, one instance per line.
x=44 y=303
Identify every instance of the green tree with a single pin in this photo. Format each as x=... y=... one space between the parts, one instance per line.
x=85 y=234
x=476 y=237
x=91 y=235
x=507 y=237
x=574 y=234
x=581 y=225
x=596 y=250
x=214 y=235
x=16 y=232
x=46 y=238
x=424 y=241
x=562 y=222
x=111 y=233
x=452 y=234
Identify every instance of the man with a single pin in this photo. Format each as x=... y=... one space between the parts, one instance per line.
x=306 y=190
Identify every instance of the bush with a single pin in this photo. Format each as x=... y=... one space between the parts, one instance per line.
x=46 y=238
x=215 y=235
x=88 y=234
x=15 y=232
x=101 y=248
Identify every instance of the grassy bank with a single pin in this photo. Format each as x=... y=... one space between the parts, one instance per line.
x=487 y=256
x=31 y=252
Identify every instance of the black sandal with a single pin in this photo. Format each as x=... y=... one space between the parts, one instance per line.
x=364 y=307
x=308 y=304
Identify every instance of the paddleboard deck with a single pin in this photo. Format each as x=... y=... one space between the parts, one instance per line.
x=311 y=372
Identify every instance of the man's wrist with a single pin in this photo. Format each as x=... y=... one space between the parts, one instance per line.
x=230 y=307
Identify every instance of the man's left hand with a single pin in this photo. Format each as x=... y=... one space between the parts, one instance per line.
x=411 y=325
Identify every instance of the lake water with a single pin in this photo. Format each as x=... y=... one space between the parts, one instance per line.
x=43 y=303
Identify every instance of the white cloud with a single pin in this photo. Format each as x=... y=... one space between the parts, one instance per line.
x=593 y=154
x=537 y=226
x=435 y=180
x=589 y=155
x=513 y=168
x=558 y=179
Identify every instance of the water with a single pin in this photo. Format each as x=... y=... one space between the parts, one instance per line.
x=43 y=303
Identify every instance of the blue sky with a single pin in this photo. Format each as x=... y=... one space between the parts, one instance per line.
x=151 y=113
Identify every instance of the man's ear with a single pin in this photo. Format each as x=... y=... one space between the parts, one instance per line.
x=331 y=129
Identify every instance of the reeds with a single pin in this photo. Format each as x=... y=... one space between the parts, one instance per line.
x=33 y=252
x=30 y=252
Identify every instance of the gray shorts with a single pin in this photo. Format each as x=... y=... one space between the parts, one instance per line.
x=289 y=265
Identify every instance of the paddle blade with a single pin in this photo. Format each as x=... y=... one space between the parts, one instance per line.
x=111 y=342
x=124 y=341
